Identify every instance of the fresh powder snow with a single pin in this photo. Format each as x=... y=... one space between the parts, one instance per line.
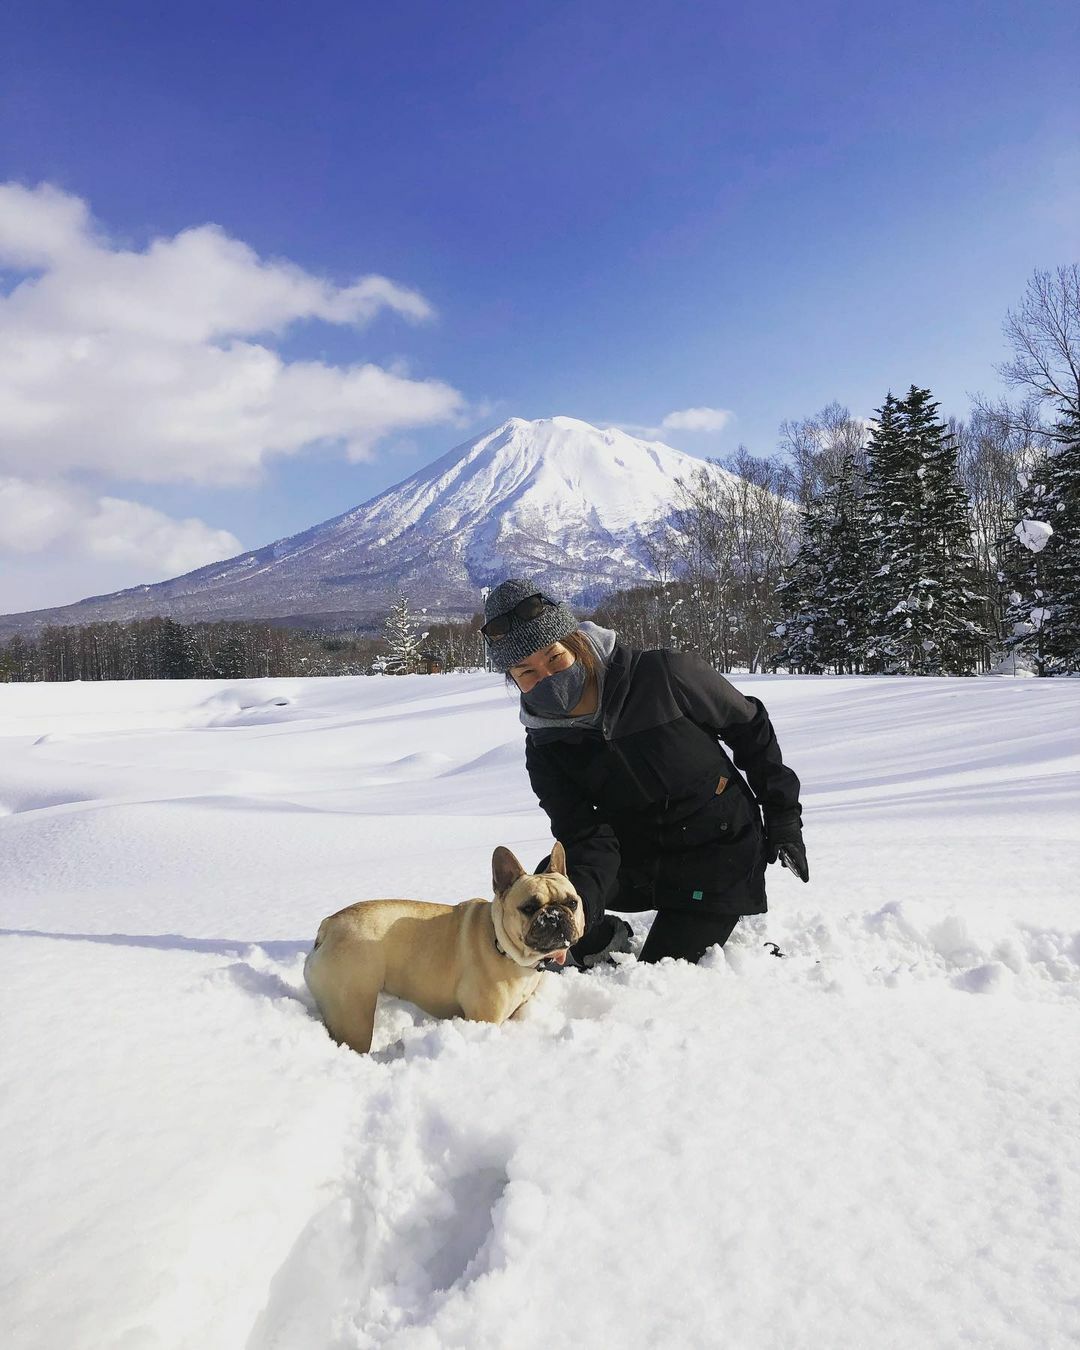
x=855 y=1127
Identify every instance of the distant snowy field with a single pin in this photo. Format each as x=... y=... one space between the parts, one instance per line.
x=871 y=1143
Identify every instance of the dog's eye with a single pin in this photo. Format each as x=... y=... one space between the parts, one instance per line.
x=530 y=908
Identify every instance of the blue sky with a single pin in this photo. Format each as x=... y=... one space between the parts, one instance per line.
x=611 y=210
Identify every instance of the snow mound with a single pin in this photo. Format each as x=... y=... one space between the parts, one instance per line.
x=422 y=764
x=235 y=706
x=499 y=757
x=905 y=944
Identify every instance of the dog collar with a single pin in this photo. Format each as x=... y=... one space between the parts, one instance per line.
x=543 y=964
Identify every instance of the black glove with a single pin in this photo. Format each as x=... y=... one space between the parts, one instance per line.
x=787 y=845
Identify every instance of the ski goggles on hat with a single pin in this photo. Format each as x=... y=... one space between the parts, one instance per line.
x=525 y=610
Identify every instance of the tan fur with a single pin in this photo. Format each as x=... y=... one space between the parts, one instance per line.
x=441 y=957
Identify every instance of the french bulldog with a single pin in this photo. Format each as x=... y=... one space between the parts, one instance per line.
x=478 y=959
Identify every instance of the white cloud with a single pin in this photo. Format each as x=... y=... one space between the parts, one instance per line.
x=124 y=531
x=33 y=516
x=157 y=365
x=57 y=517
x=697 y=419
x=709 y=420
x=40 y=225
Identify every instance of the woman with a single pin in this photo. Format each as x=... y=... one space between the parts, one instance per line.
x=623 y=752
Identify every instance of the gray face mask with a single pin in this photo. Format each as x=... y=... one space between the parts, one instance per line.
x=557 y=694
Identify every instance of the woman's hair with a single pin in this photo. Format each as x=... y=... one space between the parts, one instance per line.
x=583 y=650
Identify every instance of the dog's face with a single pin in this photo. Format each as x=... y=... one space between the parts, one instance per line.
x=541 y=914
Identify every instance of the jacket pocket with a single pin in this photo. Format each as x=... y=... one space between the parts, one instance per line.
x=714 y=849
x=722 y=817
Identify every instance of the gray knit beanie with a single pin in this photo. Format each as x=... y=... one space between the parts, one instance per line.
x=552 y=624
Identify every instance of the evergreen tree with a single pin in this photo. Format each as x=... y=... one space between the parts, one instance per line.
x=952 y=627
x=178 y=659
x=1044 y=559
x=842 y=605
x=230 y=659
x=1063 y=550
x=799 y=595
x=891 y=508
x=824 y=596
x=924 y=603
x=16 y=659
x=399 y=630
x=1025 y=568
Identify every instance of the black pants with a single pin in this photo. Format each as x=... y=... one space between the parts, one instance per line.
x=675 y=933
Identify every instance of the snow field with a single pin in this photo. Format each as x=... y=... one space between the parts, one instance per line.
x=868 y=1141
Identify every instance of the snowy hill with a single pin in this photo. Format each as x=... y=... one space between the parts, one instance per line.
x=558 y=499
x=871 y=1142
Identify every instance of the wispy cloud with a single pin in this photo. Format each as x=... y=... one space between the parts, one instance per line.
x=159 y=365
x=697 y=419
x=709 y=421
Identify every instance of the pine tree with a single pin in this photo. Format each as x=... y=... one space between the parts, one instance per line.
x=399 y=630
x=231 y=657
x=953 y=627
x=923 y=596
x=178 y=654
x=824 y=597
x=1044 y=559
x=842 y=603
x=799 y=595
x=1025 y=570
x=891 y=508
x=16 y=659
x=1063 y=550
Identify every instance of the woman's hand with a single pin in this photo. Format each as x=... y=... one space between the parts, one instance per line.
x=786 y=844
x=793 y=857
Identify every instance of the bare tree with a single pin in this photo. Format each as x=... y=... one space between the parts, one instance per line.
x=763 y=530
x=1044 y=334
x=643 y=615
x=658 y=549
x=732 y=534
x=705 y=553
x=817 y=447
x=994 y=450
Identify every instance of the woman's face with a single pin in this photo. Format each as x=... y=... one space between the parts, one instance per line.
x=547 y=661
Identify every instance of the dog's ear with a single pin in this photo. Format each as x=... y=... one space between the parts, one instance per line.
x=505 y=870
x=557 y=862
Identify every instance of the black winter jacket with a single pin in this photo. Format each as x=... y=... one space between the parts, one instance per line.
x=635 y=802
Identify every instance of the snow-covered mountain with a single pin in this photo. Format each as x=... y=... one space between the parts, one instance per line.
x=564 y=502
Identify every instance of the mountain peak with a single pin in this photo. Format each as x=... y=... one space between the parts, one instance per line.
x=567 y=503
x=557 y=427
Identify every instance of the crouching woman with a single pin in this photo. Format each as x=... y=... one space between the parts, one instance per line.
x=664 y=784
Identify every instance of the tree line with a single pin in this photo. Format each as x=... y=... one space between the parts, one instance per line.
x=165 y=649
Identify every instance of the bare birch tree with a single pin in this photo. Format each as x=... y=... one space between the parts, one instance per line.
x=1044 y=334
